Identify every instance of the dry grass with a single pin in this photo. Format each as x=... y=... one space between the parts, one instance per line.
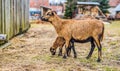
x=31 y=52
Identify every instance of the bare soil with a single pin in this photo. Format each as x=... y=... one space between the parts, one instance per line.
x=30 y=52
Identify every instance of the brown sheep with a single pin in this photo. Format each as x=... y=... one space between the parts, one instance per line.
x=59 y=42
x=80 y=30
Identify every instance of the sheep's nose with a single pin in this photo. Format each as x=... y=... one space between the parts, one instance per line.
x=42 y=18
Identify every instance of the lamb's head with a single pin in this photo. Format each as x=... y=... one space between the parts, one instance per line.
x=49 y=16
x=52 y=50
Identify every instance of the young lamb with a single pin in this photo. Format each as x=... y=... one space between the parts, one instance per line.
x=59 y=42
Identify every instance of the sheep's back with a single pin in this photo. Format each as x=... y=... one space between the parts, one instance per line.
x=84 y=29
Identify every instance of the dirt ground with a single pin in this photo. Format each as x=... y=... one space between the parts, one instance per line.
x=30 y=52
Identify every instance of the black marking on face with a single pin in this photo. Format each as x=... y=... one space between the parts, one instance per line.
x=53 y=51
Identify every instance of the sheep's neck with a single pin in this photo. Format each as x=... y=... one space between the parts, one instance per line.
x=57 y=24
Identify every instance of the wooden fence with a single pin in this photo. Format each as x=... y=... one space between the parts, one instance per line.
x=14 y=17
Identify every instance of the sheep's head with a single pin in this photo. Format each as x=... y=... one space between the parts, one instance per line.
x=49 y=16
x=53 y=51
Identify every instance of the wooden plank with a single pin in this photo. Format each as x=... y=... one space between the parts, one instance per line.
x=7 y=18
x=26 y=14
x=20 y=16
x=11 y=18
x=0 y=16
x=3 y=17
x=23 y=18
x=15 y=17
x=28 y=24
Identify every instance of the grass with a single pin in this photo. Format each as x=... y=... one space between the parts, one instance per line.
x=113 y=43
x=52 y=70
x=107 y=68
x=113 y=28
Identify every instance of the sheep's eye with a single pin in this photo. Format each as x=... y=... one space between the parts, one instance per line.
x=49 y=14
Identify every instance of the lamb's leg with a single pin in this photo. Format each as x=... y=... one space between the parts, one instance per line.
x=99 y=49
x=66 y=47
x=92 y=49
x=60 y=51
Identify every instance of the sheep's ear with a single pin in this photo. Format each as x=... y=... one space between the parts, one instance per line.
x=54 y=12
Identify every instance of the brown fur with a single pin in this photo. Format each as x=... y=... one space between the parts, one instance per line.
x=84 y=17
x=77 y=29
x=59 y=42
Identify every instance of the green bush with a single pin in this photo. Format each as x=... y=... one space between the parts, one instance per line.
x=70 y=8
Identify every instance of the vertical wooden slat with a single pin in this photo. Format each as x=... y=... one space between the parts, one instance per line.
x=11 y=17
x=18 y=15
x=28 y=13
x=25 y=13
x=23 y=18
x=3 y=17
x=15 y=17
x=7 y=18
x=0 y=16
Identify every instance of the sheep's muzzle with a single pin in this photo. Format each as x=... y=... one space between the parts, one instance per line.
x=53 y=51
x=44 y=19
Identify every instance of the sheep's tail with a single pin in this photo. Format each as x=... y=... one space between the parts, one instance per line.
x=102 y=35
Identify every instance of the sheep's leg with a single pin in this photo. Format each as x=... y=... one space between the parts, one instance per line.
x=60 y=52
x=69 y=49
x=73 y=48
x=66 y=47
x=92 y=49
x=99 y=49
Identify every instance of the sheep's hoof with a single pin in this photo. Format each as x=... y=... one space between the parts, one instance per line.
x=87 y=57
x=99 y=60
x=69 y=55
x=75 y=56
x=64 y=57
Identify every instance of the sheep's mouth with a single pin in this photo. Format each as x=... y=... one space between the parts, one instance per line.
x=52 y=51
x=44 y=19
